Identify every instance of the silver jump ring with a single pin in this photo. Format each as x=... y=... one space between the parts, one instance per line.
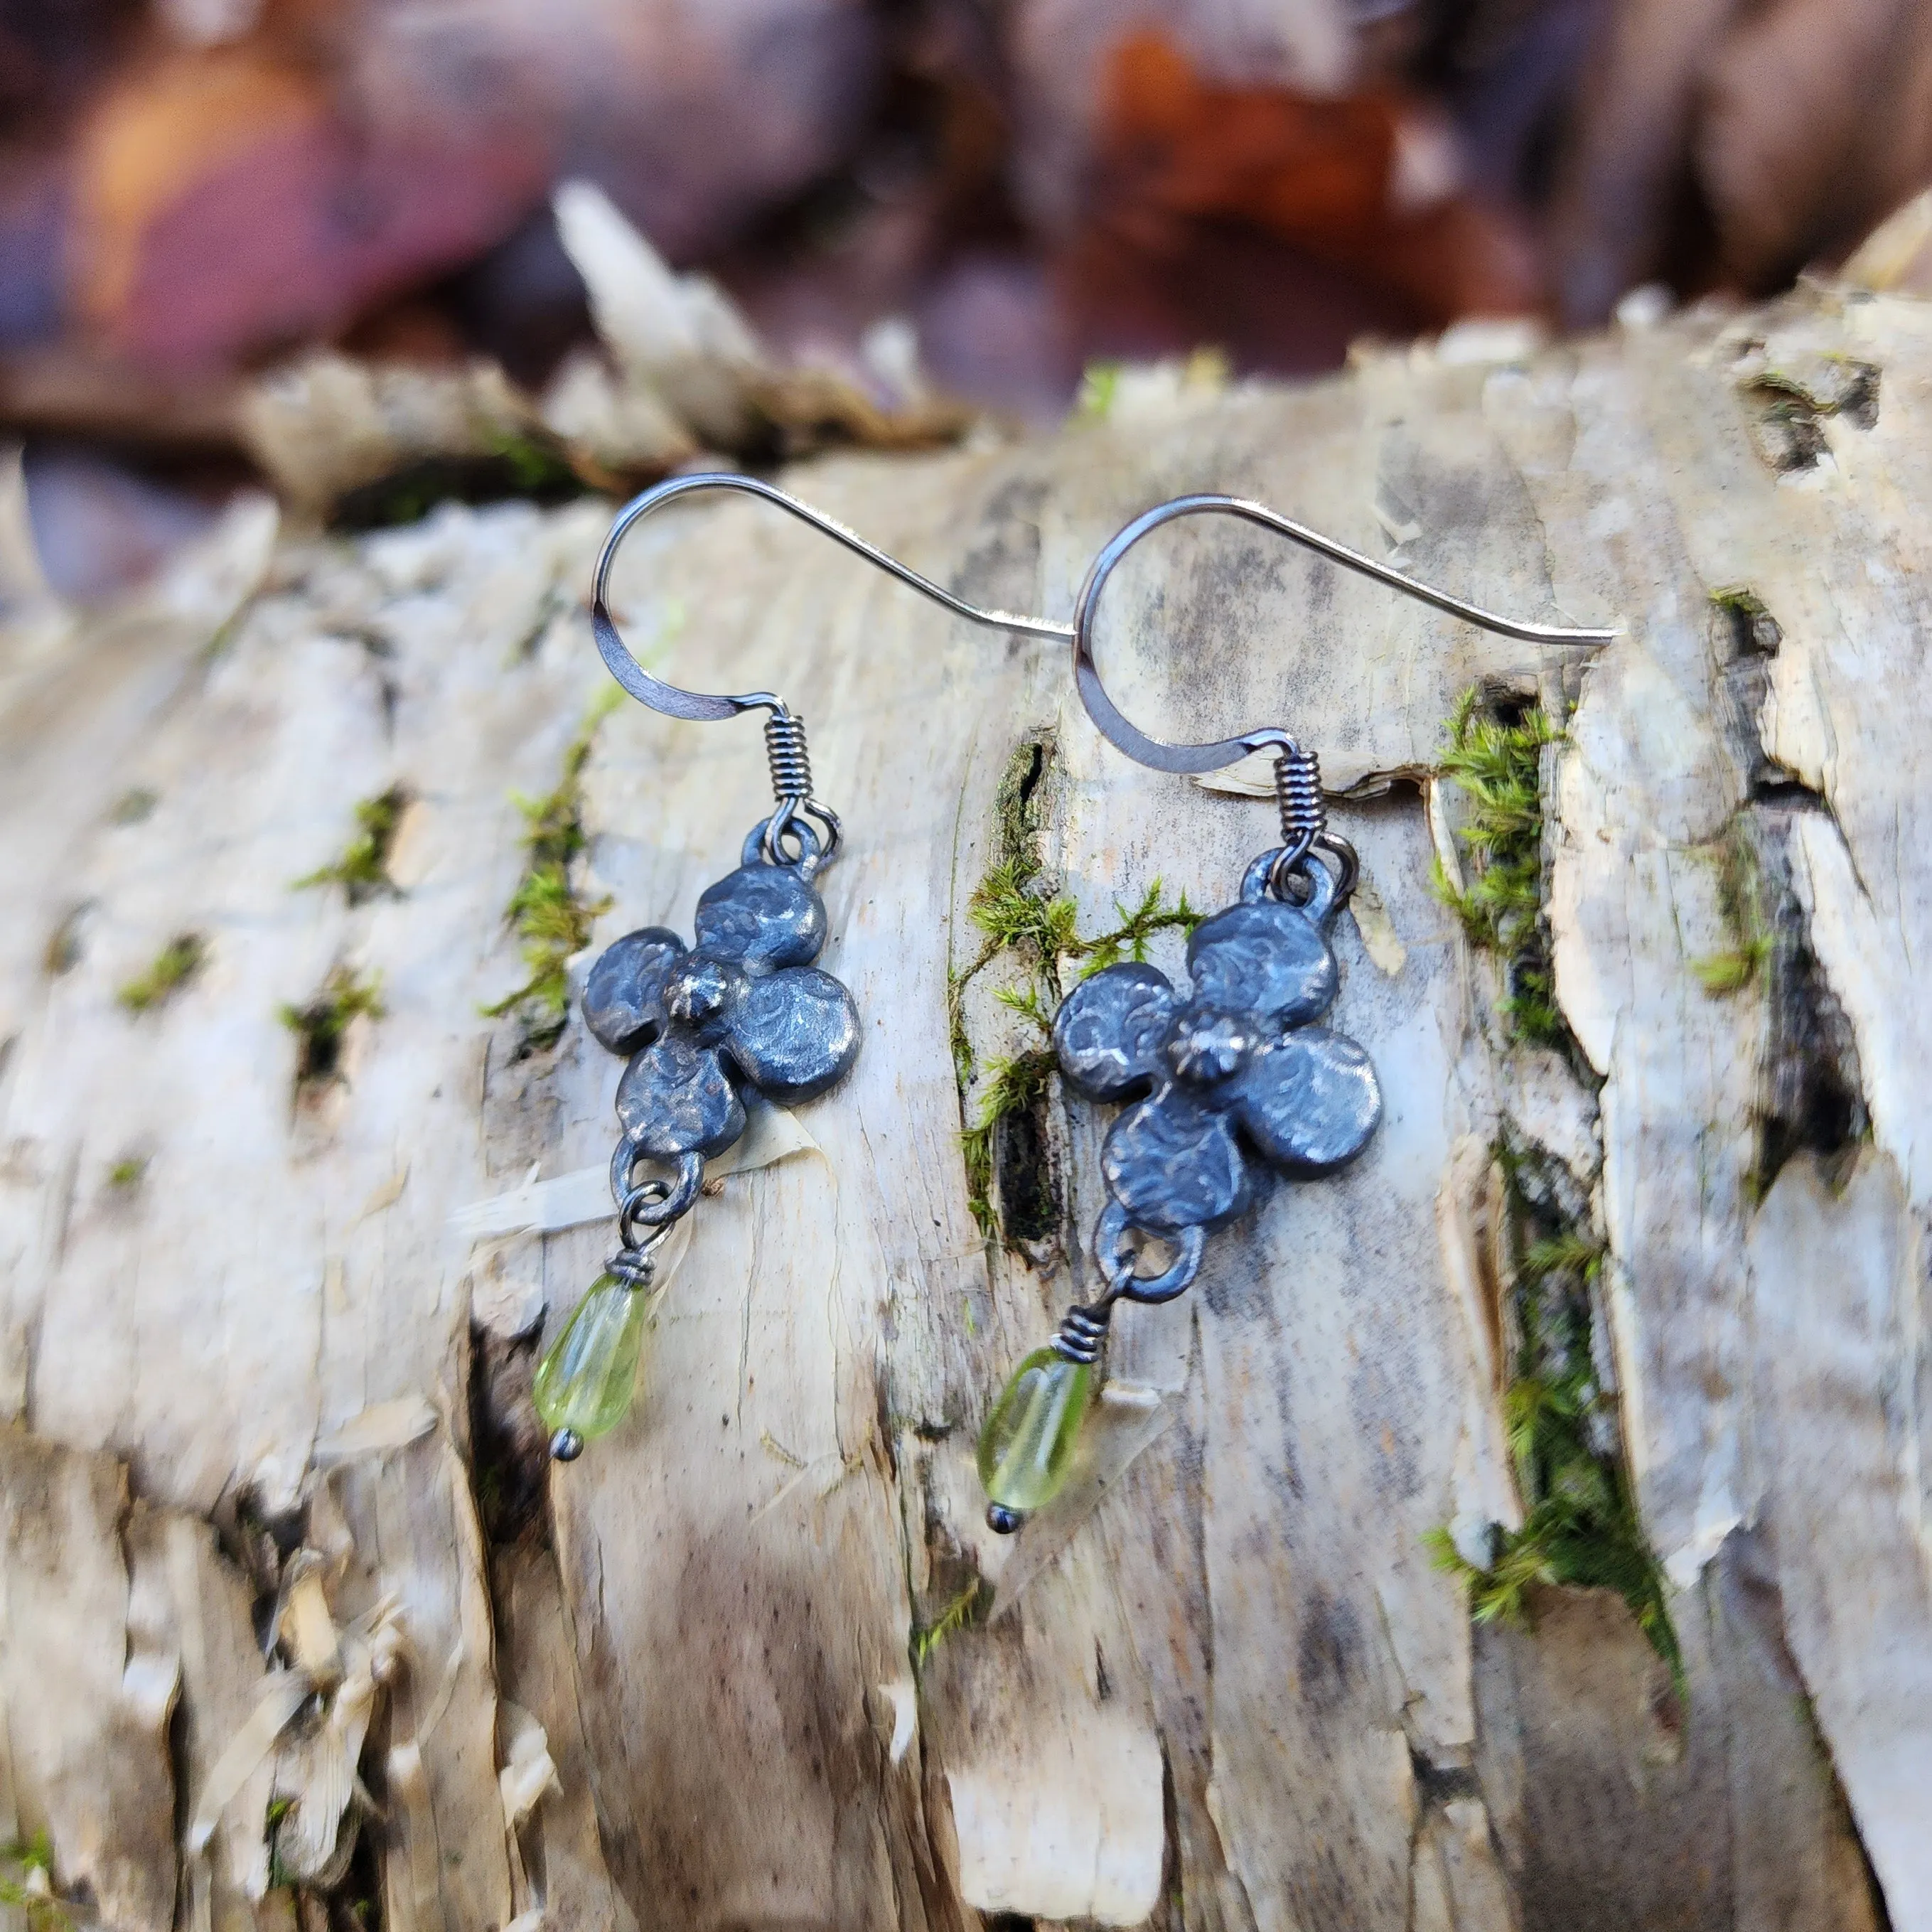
x=1117 y=1261
x=634 y=1249
x=1328 y=889
x=652 y=1204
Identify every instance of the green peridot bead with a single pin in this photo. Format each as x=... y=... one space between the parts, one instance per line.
x=1027 y=1446
x=583 y=1383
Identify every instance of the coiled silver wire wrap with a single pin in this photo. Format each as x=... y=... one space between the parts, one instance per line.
x=790 y=760
x=633 y=1267
x=1082 y=1332
x=1304 y=830
x=1298 y=792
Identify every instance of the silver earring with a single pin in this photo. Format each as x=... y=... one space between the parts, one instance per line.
x=743 y=1010
x=1231 y=1067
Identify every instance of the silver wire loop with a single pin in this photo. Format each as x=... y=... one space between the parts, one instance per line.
x=789 y=757
x=790 y=760
x=633 y=1266
x=809 y=850
x=804 y=839
x=1113 y=1249
x=674 y=703
x=1125 y=736
x=652 y=1204
x=1298 y=797
x=1326 y=873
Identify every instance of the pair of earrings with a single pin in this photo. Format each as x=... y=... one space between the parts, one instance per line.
x=1233 y=1065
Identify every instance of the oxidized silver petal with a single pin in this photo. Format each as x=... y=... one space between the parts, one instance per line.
x=1172 y=1163
x=761 y=917
x=793 y=1033
x=1310 y=1101
x=1268 y=959
x=1108 y=1030
x=623 y=995
x=675 y=1098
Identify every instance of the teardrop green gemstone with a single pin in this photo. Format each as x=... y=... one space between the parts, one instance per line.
x=584 y=1382
x=1027 y=1446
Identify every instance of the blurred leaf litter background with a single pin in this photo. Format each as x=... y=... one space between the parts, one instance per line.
x=388 y=251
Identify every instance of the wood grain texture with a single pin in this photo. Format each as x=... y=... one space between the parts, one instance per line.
x=1235 y=1693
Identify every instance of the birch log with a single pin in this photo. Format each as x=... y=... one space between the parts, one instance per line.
x=294 y=1621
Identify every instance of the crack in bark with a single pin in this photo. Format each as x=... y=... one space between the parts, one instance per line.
x=508 y=1459
x=1787 y=402
x=1811 y=1095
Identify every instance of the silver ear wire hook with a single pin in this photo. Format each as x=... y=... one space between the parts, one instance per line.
x=1297 y=775
x=784 y=730
x=1118 y=731
x=676 y=703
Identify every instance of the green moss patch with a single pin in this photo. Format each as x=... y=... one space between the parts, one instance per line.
x=1740 y=900
x=1020 y=920
x=62 y=952
x=133 y=806
x=1015 y=1085
x=1494 y=759
x=535 y=466
x=551 y=919
x=1754 y=631
x=363 y=870
x=173 y=967
x=1580 y=1525
x=26 y=1884
x=320 y=1026
x=970 y=1608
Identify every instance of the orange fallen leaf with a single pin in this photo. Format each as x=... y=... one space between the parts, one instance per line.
x=1361 y=182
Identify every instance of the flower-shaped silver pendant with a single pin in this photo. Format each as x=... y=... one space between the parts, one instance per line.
x=1231 y=1069
x=743 y=1009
